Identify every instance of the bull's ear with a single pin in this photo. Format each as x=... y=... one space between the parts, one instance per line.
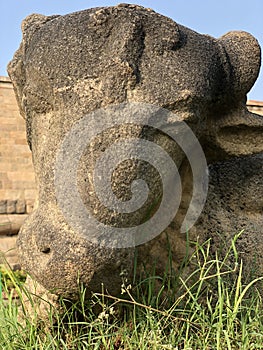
x=244 y=55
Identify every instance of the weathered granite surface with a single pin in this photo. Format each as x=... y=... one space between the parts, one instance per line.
x=68 y=66
x=235 y=204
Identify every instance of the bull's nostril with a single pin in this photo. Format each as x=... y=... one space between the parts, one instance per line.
x=45 y=250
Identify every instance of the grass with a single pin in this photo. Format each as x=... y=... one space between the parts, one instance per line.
x=211 y=308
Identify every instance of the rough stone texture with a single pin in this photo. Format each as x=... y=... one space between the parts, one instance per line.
x=68 y=66
x=235 y=203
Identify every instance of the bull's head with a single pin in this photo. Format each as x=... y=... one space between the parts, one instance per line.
x=68 y=67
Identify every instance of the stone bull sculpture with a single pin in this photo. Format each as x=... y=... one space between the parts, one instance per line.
x=69 y=66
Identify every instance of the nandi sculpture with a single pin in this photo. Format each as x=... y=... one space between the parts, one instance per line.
x=123 y=61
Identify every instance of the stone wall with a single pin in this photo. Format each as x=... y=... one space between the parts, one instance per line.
x=17 y=183
x=255 y=106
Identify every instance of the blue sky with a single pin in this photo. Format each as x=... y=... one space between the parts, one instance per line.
x=213 y=17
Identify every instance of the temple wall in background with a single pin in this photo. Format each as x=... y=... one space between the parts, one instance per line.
x=255 y=107
x=17 y=182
